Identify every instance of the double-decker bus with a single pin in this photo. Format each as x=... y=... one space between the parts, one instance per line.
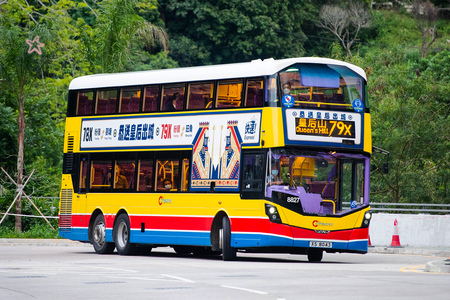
x=267 y=156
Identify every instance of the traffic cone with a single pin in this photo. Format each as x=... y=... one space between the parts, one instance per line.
x=395 y=237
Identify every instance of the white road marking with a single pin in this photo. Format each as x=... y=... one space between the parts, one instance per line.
x=113 y=269
x=178 y=278
x=244 y=289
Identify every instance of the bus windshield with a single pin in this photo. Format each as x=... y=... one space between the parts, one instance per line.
x=328 y=183
x=323 y=86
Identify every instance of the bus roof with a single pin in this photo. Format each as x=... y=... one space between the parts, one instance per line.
x=254 y=68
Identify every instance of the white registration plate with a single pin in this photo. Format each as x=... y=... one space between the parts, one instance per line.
x=321 y=244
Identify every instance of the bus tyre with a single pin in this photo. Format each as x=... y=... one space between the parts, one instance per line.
x=98 y=236
x=122 y=234
x=315 y=255
x=228 y=252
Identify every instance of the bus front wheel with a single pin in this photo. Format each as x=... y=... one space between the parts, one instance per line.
x=122 y=236
x=98 y=236
x=228 y=252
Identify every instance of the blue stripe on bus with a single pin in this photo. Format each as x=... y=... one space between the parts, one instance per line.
x=202 y=238
x=358 y=245
x=192 y=238
x=76 y=234
x=259 y=240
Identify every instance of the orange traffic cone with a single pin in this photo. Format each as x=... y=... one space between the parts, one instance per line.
x=395 y=237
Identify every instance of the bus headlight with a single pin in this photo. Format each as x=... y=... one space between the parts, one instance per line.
x=272 y=213
x=366 y=219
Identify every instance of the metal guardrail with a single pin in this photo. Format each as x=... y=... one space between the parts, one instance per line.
x=407 y=207
x=411 y=207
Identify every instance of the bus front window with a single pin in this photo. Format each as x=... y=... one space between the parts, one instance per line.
x=323 y=86
x=325 y=183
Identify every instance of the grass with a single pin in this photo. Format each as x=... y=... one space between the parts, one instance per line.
x=36 y=232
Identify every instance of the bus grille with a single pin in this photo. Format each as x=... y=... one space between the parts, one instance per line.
x=65 y=215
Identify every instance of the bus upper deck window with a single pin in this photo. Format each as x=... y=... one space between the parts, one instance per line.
x=84 y=103
x=200 y=95
x=130 y=98
x=151 y=99
x=229 y=94
x=173 y=97
x=324 y=86
x=106 y=102
x=255 y=93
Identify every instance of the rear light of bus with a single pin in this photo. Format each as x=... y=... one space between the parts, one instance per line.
x=366 y=220
x=272 y=213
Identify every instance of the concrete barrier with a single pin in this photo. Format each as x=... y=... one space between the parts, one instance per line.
x=414 y=230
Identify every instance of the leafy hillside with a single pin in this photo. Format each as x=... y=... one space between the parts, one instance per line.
x=409 y=94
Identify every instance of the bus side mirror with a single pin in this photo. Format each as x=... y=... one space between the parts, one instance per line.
x=385 y=168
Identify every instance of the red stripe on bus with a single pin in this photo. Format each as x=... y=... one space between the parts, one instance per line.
x=172 y=222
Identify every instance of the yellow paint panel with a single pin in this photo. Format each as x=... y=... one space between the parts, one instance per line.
x=272 y=127
x=367 y=133
x=324 y=223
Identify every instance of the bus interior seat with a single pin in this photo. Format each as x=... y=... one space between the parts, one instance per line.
x=102 y=106
x=134 y=104
x=179 y=103
x=125 y=105
x=82 y=105
x=196 y=101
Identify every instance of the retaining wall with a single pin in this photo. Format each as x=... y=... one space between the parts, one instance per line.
x=414 y=230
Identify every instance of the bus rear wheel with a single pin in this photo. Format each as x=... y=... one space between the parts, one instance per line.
x=228 y=252
x=98 y=236
x=315 y=255
x=122 y=234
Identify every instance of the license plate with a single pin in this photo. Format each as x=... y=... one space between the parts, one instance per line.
x=321 y=244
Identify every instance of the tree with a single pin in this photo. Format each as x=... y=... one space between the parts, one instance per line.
x=425 y=15
x=18 y=68
x=346 y=23
x=118 y=26
x=225 y=31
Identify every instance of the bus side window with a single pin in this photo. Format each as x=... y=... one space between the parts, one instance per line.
x=253 y=176
x=83 y=174
x=167 y=175
x=229 y=94
x=185 y=174
x=100 y=174
x=200 y=95
x=173 y=97
x=106 y=102
x=130 y=99
x=151 y=99
x=124 y=174
x=145 y=179
x=84 y=103
x=255 y=93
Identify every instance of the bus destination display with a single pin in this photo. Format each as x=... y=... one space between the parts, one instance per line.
x=321 y=127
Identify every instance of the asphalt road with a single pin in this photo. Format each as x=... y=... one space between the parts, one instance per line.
x=74 y=271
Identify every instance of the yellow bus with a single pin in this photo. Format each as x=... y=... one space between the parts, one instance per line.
x=265 y=156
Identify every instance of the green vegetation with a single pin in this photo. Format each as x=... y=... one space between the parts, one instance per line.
x=409 y=94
